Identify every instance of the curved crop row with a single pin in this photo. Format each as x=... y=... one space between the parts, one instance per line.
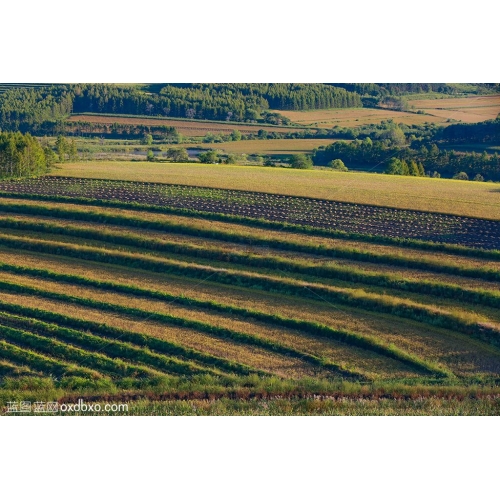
x=317 y=329
x=67 y=352
x=115 y=349
x=170 y=319
x=44 y=363
x=313 y=328
x=267 y=224
x=330 y=270
x=137 y=339
x=355 y=298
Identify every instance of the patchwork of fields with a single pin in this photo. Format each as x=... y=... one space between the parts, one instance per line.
x=316 y=213
x=471 y=199
x=126 y=290
x=466 y=109
x=188 y=128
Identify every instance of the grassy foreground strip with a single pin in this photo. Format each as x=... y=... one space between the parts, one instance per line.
x=188 y=323
x=250 y=389
x=248 y=221
x=92 y=360
x=317 y=329
x=26 y=315
x=354 y=298
x=43 y=363
x=112 y=348
x=330 y=270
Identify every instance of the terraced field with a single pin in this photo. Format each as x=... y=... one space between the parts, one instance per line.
x=314 y=213
x=241 y=302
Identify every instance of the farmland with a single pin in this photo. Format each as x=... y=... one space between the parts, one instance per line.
x=355 y=117
x=466 y=109
x=436 y=195
x=188 y=128
x=187 y=299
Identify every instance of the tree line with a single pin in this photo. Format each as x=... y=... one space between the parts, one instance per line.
x=21 y=155
x=28 y=109
x=395 y=89
x=488 y=131
x=403 y=160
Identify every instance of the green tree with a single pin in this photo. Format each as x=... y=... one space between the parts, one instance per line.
x=147 y=139
x=301 y=161
x=209 y=157
x=61 y=147
x=338 y=165
x=404 y=168
x=479 y=178
x=413 y=168
x=395 y=135
x=236 y=135
x=150 y=156
x=72 y=151
x=421 y=170
x=461 y=176
x=434 y=151
x=397 y=167
x=22 y=155
x=177 y=154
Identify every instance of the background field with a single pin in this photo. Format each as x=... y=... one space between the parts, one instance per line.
x=440 y=195
x=466 y=109
x=329 y=118
x=185 y=127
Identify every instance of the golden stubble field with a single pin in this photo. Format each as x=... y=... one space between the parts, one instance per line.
x=476 y=199
x=466 y=109
x=354 y=117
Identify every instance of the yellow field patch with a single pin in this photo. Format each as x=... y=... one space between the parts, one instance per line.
x=354 y=117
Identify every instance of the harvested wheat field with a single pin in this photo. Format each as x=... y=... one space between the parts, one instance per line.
x=354 y=117
x=466 y=109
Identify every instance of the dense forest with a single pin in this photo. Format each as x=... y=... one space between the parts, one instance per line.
x=398 y=89
x=33 y=109
x=482 y=132
x=22 y=156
